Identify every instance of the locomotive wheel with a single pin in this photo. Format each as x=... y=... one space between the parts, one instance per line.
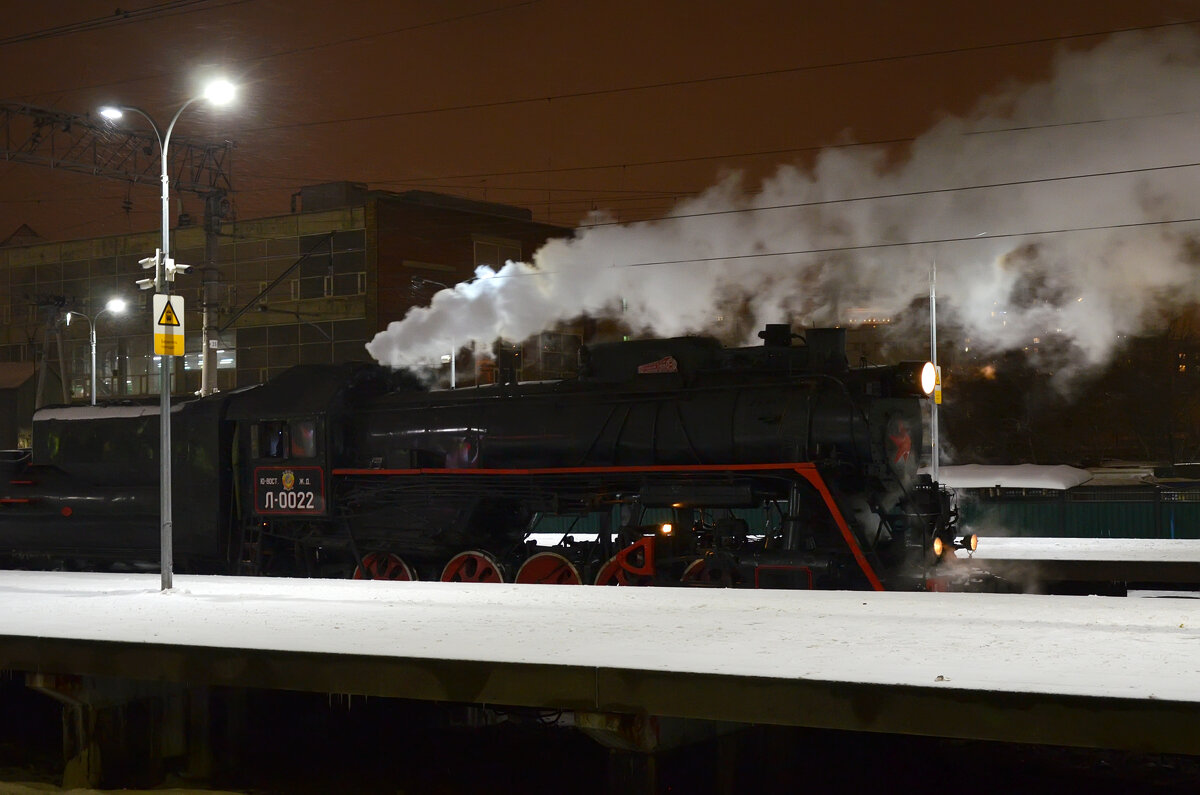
x=383 y=566
x=473 y=566
x=550 y=568
x=698 y=572
x=694 y=571
x=633 y=565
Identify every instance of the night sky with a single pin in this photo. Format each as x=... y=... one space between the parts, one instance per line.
x=564 y=106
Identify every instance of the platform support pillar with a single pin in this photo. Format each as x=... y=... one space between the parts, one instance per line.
x=118 y=731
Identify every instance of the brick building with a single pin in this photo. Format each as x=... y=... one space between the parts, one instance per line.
x=311 y=286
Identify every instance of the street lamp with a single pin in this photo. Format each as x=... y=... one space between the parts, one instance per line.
x=116 y=306
x=218 y=92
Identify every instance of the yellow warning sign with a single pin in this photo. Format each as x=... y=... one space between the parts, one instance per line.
x=167 y=318
x=168 y=328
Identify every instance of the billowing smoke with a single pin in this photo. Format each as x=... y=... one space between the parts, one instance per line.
x=1058 y=208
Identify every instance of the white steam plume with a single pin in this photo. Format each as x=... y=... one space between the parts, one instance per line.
x=1130 y=105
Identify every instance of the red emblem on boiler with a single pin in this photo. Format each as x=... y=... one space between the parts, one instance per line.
x=903 y=442
x=666 y=364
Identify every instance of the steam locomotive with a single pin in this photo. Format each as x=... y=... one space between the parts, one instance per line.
x=672 y=461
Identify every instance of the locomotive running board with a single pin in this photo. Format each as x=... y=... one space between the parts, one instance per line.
x=806 y=471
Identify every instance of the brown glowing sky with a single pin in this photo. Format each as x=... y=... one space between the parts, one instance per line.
x=563 y=106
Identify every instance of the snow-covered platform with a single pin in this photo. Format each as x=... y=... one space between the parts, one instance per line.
x=1089 y=671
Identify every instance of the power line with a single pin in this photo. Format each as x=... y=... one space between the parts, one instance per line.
x=717 y=78
x=671 y=161
x=982 y=237
x=406 y=29
x=118 y=17
x=850 y=199
x=876 y=246
x=424 y=181
x=909 y=194
x=308 y=48
x=826 y=202
x=798 y=149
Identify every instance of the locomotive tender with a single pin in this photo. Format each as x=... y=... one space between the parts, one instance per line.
x=770 y=466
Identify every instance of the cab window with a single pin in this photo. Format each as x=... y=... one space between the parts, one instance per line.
x=303 y=439
x=271 y=439
x=284 y=439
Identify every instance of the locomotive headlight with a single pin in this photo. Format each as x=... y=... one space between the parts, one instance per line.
x=939 y=546
x=971 y=542
x=913 y=379
x=928 y=378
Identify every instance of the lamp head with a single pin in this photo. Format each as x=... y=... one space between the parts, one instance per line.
x=111 y=112
x=116 y=305
x=219 y=92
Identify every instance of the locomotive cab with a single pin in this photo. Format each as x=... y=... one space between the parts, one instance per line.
x=288 y=466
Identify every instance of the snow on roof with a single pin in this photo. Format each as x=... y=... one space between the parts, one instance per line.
x=1133 y=648
x=1019 y=476
x=97 y=412
x=1155 y=550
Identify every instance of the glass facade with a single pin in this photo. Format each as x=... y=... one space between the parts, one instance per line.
x=289 y=290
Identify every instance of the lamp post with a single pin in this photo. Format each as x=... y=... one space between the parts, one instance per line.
x=218 y=92
x=115 y=306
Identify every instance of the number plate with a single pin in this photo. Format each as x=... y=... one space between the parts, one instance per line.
x=289 y=490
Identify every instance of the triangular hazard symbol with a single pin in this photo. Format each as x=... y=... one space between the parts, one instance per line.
x=168 y=316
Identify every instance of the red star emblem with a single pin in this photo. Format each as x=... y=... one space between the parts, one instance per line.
x=903 y=442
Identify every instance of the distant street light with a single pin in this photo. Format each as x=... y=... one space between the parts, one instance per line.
x=218 y=92
x=116 y=306
x=419 y=282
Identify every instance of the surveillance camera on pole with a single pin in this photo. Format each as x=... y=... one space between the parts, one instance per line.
x=174 y=268
x=151 y=262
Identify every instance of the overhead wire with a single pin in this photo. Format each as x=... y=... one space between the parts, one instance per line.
x=894 y=195
x=901 y=194
x=982 y=237
x=306 y=48
x=422 y=181
x=657 y=195
x=118 y=17
x=589 y=93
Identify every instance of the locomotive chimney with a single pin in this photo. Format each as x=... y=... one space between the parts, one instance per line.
x=776 y=335
x=827 y=349
x=508 y=363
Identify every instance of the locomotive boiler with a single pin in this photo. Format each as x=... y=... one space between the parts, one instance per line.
x=670 y=461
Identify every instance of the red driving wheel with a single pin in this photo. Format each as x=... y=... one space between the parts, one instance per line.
x=383 y=566
x=550 y=568
x=473 y=566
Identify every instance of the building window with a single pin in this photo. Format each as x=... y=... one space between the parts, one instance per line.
x=494 y=252
x=346 y=284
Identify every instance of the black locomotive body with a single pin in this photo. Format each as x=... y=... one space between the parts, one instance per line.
x=665 y=461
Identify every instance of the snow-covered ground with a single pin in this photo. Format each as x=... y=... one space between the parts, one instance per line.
x=1138 y=648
